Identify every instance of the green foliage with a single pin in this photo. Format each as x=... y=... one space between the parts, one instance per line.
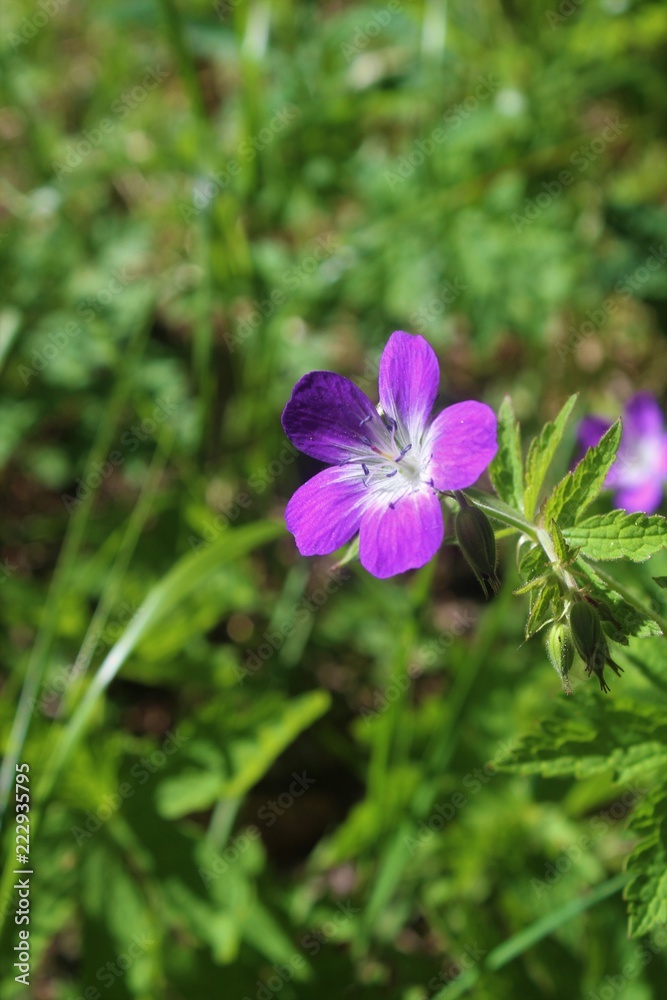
x=618 y=535
x=557 y=563
x=541 y=454
x=301 y=180
x=586 y=737
x=626 y=741
x=582 y=486
x=506 y=470
x=543 y=608
x=647 y=892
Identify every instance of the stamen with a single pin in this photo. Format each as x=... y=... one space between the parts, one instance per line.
x=388 y=475
x=365 y=468
x=365 y=420
x=391 y=505
x=404 y=452
x=392 y=426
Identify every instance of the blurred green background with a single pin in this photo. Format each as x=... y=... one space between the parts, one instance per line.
x=273 y=788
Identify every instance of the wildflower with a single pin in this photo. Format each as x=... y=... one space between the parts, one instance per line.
x=640 y=470
x=387 y=464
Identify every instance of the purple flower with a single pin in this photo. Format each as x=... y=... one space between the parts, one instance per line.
x=640 y=470
x=386 y=463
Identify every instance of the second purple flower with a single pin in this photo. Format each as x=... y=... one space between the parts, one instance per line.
x=639 y=473
x=387 y=463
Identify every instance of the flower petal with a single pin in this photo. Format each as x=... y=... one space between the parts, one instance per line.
x=645 y=496
x=408 y=381
x=404 y=536
x=328 y=417
x=463 y=440
x=325 y=512
x=643 y=416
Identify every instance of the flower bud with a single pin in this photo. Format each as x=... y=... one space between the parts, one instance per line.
x=478 y=544
x=560 y=651
x=590 y=641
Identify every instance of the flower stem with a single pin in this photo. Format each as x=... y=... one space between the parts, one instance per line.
x=502 y=512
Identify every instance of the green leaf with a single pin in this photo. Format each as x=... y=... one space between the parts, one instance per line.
x=565 y=554
x=216 y=922
x=540 y=456
x=251 y=757
x=619 y=535
x=580 y=487
x=188 y=792
x=588 y=736
x=661 y=581
x=534 y=563
x=189 y=575
x=262 y=931
x=351 y=554
x=619 y=617
x=116 y=914
x=537 y=581
x=542 y=607
x=646 y=894
x=506 y=470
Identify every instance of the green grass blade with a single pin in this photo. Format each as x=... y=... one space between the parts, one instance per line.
x=188 y=575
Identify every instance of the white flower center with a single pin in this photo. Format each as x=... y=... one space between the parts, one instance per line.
x=394 y=466
x=639 y=462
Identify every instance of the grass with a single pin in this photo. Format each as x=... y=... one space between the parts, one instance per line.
x=288 y=187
